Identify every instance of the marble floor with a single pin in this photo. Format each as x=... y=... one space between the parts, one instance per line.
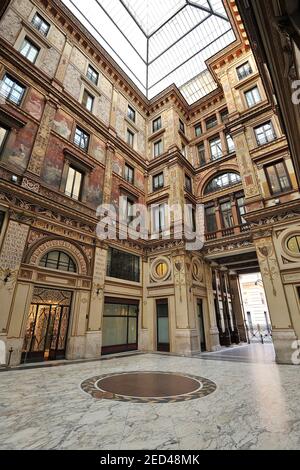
x=255 y=406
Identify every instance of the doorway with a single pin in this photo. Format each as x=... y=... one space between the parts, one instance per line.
x=201 y=324
x=162 y=320
x=47 y=325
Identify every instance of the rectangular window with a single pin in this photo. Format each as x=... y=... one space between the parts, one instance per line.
x=131 y=113
x=227 y=218
x=230 y=143
x=215 y=148
x=156 y=124
x=190 y=217
x=73 y=184
x=224 y=115
x=2 y=217
x=158 y=181
x=188 y=183
x=210 y=217
x=244 y=70
x=11 y=89
x=198 y=130
x=129 y=173
x=278 y=178
x=81 y=139
x=40 y=24
x=159 y=217
x=240 y=202
x=122 y=265
x=211 y=122
x=157 y=148
x=88 y=100
x=253 y=97
x=29 y=50
x=130 y=138
x=129 y=210
x=92 y=75
x=3 y=136
x=265 y=133
x=201 y=153
x=181 y=126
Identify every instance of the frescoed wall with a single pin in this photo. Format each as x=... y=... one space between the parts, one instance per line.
x=139 y=179
x=18 y=147
x=94 y=191
x=118 y=164
x=115 y=193
x=34 y=104
x=97 y=149
x=63 y=124
x=54 y=162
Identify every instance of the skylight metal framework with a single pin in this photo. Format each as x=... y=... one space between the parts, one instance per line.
x=160 y=42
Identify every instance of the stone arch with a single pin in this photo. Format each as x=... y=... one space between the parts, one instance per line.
x=233 y=167
x=44 y=246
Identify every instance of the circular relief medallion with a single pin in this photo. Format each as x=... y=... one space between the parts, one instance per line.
x=148 y=387
x=197 y=270
x=160 y=269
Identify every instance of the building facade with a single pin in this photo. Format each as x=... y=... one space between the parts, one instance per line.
x=76 y=133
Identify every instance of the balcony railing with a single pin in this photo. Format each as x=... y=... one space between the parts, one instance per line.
x=227 y=232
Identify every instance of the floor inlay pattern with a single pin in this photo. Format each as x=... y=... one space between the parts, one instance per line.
x=148 y=387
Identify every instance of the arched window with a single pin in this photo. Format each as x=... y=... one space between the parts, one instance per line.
x=224 y=180
x=58 y=260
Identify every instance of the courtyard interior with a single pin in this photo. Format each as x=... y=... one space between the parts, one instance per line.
x=255 y=405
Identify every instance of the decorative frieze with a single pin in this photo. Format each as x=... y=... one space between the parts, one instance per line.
x=13 y=246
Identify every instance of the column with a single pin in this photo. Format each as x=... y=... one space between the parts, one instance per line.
x=186 y=337
x=76 y=346
x=63 y=63
x=222 y=318
x=10 y=261
x=107 y=185
x=94 y=333
x=218 y=219
x=283 y=332
x=146 y=321
x=38 y=153
x=246 y=168
x=214 y=340
x=235 y=338
x=237 y=304
x=224 y=143
x=207 y=151
x=235 y=215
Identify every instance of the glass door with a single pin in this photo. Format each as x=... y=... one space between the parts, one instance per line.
x=162 y=312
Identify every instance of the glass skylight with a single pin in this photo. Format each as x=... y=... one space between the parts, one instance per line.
x=159 y=42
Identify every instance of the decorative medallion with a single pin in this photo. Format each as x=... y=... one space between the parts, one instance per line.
x=148 y=387
x=160 y=269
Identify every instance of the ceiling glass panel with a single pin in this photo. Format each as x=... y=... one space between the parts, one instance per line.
x=158 y=43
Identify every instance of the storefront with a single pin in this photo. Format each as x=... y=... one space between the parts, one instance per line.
x=120 y=325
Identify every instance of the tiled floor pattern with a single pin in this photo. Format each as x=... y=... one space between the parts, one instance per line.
x=255 y=406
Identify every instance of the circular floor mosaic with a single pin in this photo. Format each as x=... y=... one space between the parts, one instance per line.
x=148 y=387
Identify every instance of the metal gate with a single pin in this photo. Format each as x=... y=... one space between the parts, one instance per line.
x=47 y=325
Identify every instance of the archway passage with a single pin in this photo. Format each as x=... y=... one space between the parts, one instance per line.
x=47 y=325
x=243 y=306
